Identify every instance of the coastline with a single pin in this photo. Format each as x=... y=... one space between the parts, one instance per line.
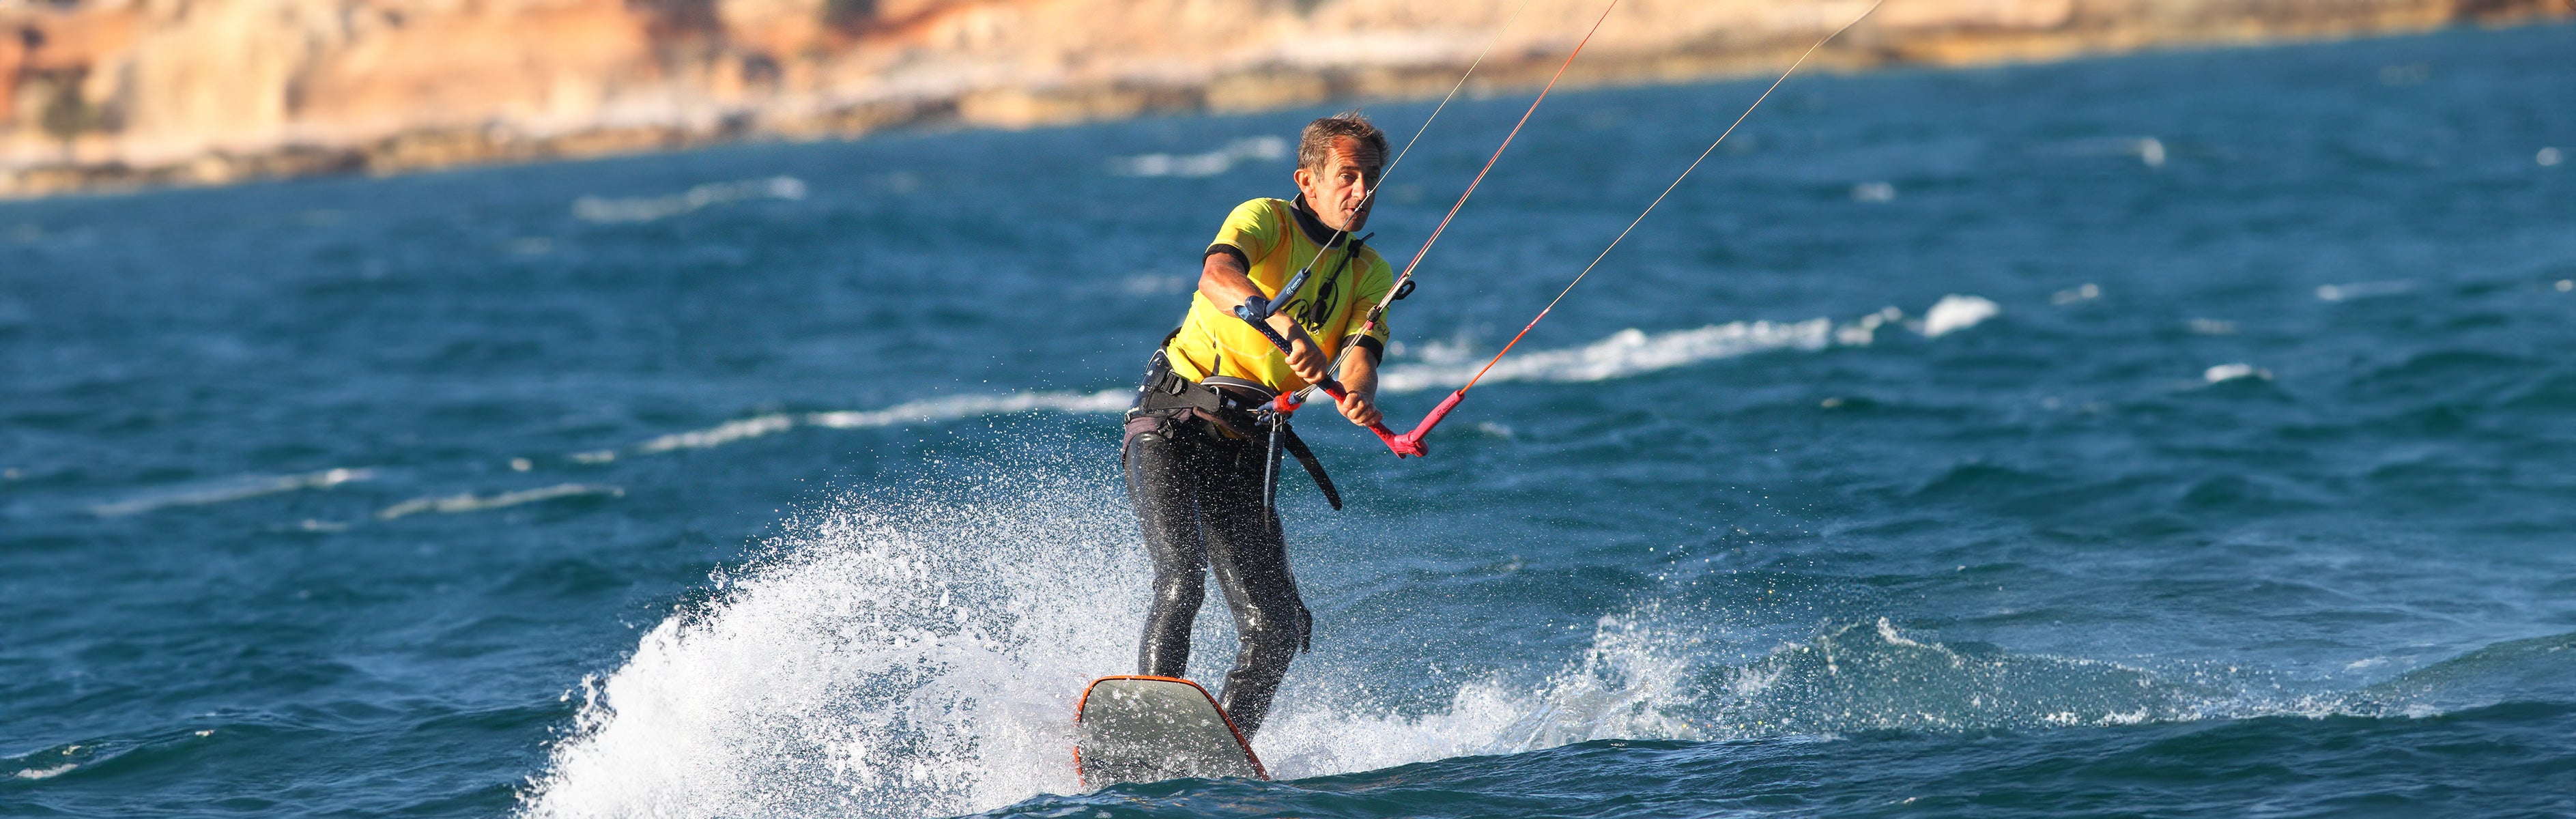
x=638 y=84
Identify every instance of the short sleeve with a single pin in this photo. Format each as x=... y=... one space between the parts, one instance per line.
x=1372 y=287
x=1253 y=229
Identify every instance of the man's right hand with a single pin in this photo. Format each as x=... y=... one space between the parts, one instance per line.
x=1304 y=358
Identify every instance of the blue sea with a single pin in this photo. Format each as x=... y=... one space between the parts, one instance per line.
x=2185 y=434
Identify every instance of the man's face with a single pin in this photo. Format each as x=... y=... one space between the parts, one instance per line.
x=1339 y=192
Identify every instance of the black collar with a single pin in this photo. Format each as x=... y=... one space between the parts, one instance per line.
x=1314 y=228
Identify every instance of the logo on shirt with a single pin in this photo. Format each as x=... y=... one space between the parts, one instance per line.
x=1312 y=311
x=1312 y=308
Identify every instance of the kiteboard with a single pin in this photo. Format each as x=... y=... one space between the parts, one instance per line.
x=1148 y=729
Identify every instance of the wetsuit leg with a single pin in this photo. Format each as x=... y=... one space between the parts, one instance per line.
x=1249 y=559
x=1163 y=487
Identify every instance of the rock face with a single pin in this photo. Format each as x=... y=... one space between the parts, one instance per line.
x=106 y=93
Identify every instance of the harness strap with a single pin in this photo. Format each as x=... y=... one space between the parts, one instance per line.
x=1166 y=395
x=1306 y=458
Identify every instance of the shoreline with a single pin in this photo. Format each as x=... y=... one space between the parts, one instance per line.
x=1269 y=86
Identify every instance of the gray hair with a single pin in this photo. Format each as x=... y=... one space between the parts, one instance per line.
x=1315 y=146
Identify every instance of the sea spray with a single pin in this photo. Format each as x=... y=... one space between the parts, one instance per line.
x=882 y=658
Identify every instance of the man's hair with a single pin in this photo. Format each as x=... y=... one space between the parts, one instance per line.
x=1315 y=147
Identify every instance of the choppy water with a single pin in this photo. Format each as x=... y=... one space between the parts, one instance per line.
x=2174 y=435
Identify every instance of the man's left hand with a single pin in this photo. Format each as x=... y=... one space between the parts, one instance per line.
x=1361 y=408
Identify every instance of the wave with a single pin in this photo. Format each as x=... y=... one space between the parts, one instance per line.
x=2231 y=372
x=2537 y=668
x=1254 y=149
x=1955 y=312
x=916 y=412
x=1633 y=352
x=470 y=502
x=649 y=208
x=2364 y=290
x=242 y=488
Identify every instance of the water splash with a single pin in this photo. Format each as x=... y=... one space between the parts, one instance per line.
x=920 y=656
x=885 y=658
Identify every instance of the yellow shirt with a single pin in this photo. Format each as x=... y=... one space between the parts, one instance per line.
x=1275 y=242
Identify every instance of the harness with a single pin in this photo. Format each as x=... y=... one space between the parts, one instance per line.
x=1231 y=405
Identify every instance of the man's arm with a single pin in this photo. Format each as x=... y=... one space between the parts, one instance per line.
x=1359 y=379
x=1226 y=284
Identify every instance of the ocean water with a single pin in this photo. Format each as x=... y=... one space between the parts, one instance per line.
x=2176 y=435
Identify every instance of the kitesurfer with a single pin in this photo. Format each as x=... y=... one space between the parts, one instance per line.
x=1197 y=455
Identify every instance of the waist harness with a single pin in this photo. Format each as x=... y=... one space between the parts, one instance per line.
x=1228 y=405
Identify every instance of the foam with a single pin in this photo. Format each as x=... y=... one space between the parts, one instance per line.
x=242 y=488
x=2363 y=290
x=1955 y=312
x=944 y=409
x=2231 y=372
x=886 y=658
x=649 y=208
x=1624 y=685
x=1632 y=351
x=2149 y=150
x=470 y=502
x=46 y=773
x=916 y=412
x=1625 y=353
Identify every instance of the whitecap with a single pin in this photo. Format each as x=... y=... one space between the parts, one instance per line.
x=915 y=412
x=470 y=502
x=1627 y=352
x=648 y=208
x=241 y=488
x=1956 y=312
x=46 y=773
x=968 y=406
x=2363 y=290
x=1632 y=351
x=2231 y=372
x=1211 y=163
x=725 y=433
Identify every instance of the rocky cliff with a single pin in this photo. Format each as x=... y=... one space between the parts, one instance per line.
x=105 y=93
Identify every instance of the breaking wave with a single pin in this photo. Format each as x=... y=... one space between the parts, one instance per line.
x=1632 y=352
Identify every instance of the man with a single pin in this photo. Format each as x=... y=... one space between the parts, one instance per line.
x=1196 y=453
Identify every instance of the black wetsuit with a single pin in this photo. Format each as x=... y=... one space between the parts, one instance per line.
x=1197 y=493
